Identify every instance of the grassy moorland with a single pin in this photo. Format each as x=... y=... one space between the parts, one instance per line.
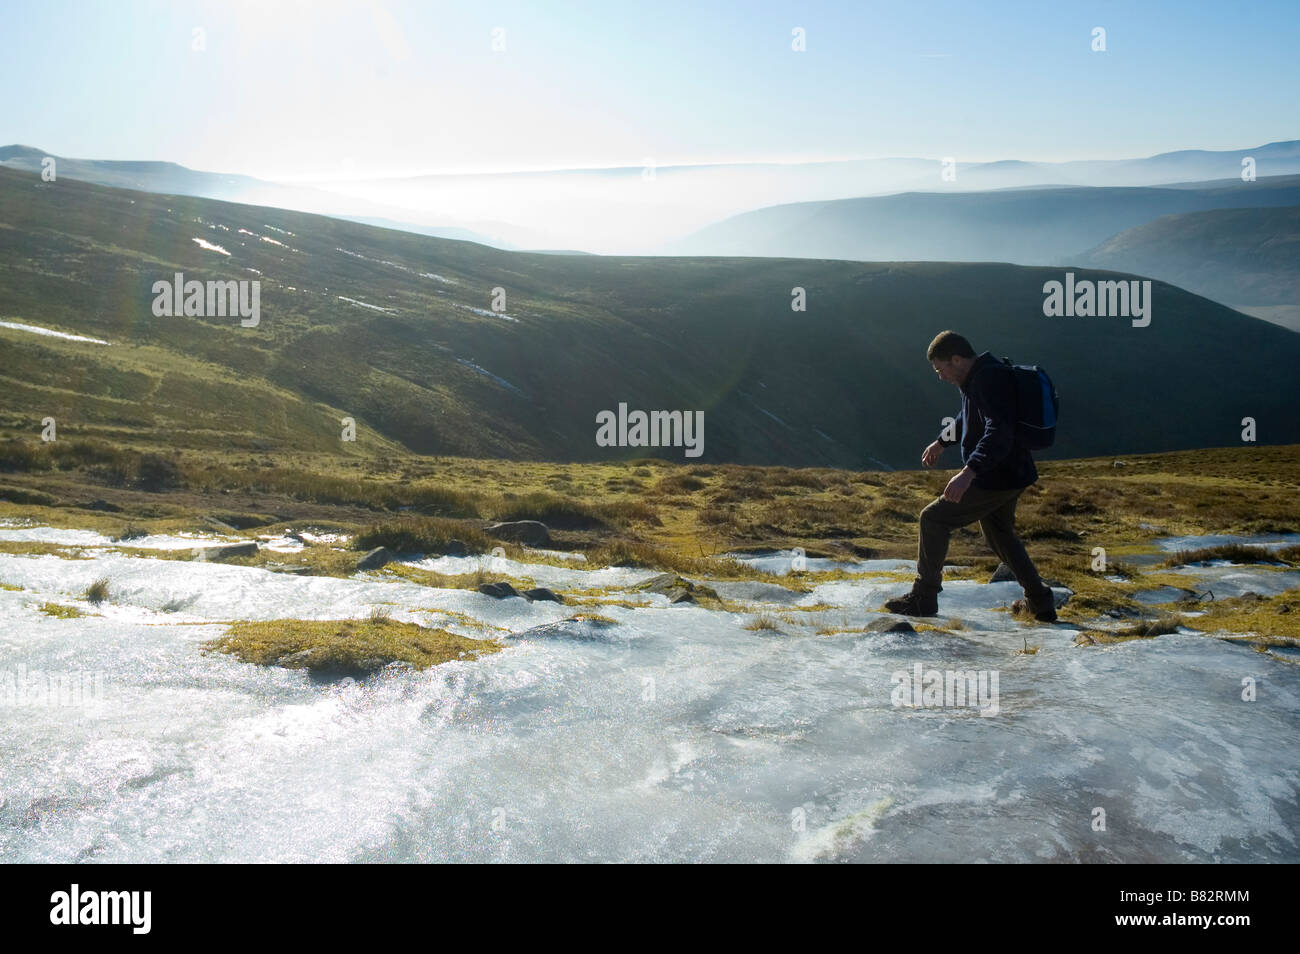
x=679 y=518
x=1248 y=256
x=464 y=417
x=396 y=331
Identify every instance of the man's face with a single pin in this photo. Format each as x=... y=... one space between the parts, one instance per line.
x=952 y=371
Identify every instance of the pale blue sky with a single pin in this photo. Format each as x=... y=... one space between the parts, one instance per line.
x=300 y=89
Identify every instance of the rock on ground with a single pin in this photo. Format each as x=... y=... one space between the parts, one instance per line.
x=226 y=552
x=531 y=533
x=498 y=591
x=376 y=558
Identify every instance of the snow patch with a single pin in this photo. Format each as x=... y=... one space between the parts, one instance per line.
x=36 y=330
x=488 y=374
x=208 y=246
x=486 y=313
x=362 y=304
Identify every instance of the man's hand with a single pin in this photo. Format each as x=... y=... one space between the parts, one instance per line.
x=956 y=488
x=930 y=456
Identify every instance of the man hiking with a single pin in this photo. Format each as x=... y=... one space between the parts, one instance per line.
x=996 y=472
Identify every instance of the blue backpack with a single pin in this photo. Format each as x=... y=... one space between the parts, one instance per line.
x=1037 y=405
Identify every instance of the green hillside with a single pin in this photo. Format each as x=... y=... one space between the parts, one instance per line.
x=1241 y=256
x=843 y=384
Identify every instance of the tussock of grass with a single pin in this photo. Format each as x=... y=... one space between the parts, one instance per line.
x=1146 y=629
x=32 y=455
x=345 y=645
x=568 y=513
x=1066 y=503
x=1276 y=617
x=436 y=500
x=61 y=612
x=333 y=489
x=979 y=571
x=1125 y=570
x=813 y=479
x=811 y=512
x=888 y=512
x=456 y=581
x=97 y=592
x=680 y=484
x=1233 y=552
x=411 y=534
x=38 y=548
x=573 y=598
x=464 y=619
x=741 y=493
x=319 y=560
x=1045 y=527
x=1094 y=595
x=646 y=556
x=811 y=608
x=677 y=587
x=11 y=587
x=763 y=621
x=37 y=498
x=1149 y=628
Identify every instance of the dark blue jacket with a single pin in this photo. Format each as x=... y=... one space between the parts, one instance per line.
x=988 y=428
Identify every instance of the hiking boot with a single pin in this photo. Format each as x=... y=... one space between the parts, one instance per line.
x=914 y=604
x=1042 y=607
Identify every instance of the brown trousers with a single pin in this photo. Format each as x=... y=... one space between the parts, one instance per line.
x=996 y=512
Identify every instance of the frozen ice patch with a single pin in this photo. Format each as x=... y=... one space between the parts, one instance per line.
x=781 y=562
x=842 y=836
x=1271 y=541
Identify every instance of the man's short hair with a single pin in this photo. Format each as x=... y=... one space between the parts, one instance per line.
x=948 y=344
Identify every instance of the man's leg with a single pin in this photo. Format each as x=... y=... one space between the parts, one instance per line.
x=999 y=526
x=940 y=518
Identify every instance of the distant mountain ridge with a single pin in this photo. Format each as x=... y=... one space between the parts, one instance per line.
x=170 y=178
x=655 y=209
x=863 y=177
x=1037 y=226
